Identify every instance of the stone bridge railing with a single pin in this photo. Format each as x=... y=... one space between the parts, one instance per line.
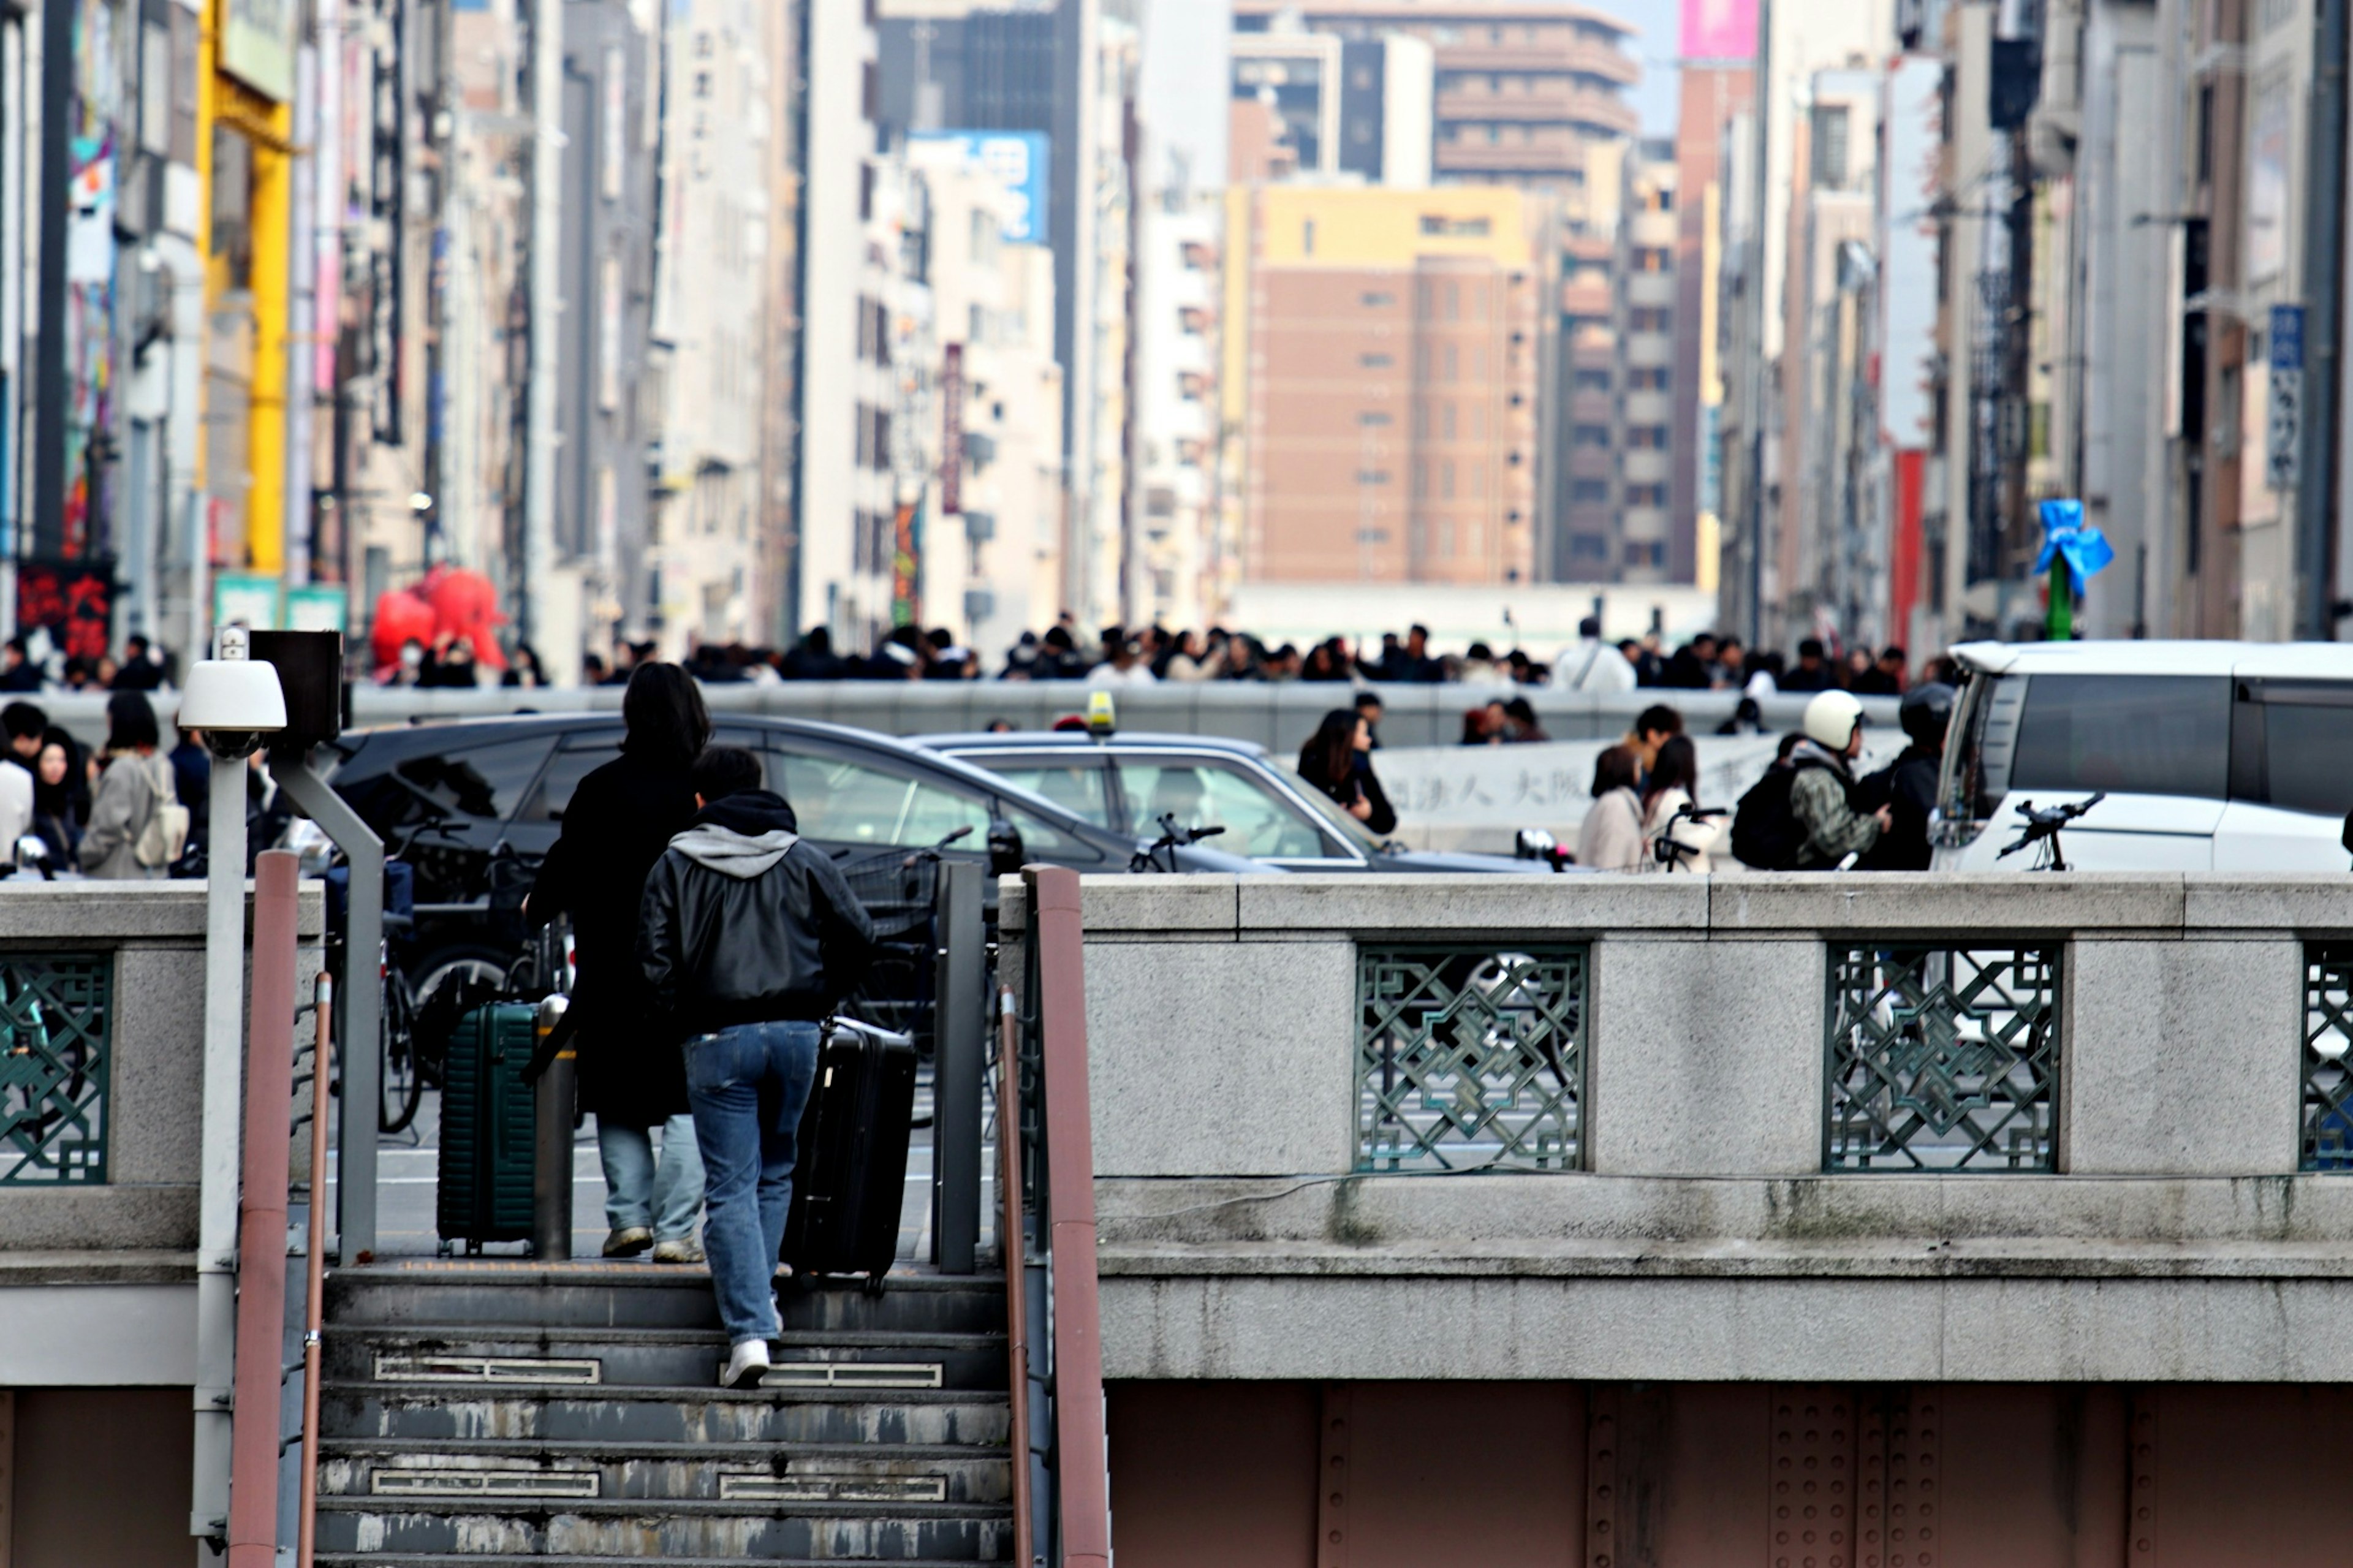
x=1934 y=1089
x=101 y=1070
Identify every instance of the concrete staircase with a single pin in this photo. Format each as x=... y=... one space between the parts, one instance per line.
x=492 y=1413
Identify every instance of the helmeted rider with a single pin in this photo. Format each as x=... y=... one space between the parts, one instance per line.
x=1822 y=767
x=1906 y=787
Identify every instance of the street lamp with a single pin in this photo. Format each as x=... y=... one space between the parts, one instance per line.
x=235 y=702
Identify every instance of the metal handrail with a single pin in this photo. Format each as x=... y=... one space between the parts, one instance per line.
x=1010 y=1239
x=314 y=1305
x=1066 y=1216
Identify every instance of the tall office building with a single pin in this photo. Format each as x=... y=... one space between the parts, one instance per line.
x=1523 y=91
x=1381 y=352
x=1530 y=96
x=1068 y=70
x=1318 y=106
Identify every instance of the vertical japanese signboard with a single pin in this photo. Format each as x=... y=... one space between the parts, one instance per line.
x=2284 y=429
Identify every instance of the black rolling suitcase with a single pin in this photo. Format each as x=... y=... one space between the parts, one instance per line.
x=851 y=1177
x=487 y=1127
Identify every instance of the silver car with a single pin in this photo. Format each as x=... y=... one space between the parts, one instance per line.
x=1127 y=783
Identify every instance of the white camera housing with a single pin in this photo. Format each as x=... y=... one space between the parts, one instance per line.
x=232 y=699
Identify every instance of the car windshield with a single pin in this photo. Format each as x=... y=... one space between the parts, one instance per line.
x=1201 y=792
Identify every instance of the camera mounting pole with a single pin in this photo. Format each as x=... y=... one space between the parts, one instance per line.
x=309 y=668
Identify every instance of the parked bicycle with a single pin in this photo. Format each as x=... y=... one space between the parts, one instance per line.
x=1160 y=855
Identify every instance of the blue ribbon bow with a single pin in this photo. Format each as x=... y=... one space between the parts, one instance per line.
x=2067 y=536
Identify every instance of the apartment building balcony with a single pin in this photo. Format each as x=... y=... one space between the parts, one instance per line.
x=1648 y=466
x=1585 y=296
x=1650 y=289
x=1580 y=57
x=1501 y=160
x=1649 y=349
x=1649 y=408
x=1654 y=227
x=1593 y=407
x=1545 y=104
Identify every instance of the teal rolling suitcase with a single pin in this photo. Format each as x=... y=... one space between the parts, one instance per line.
x=487 y=1115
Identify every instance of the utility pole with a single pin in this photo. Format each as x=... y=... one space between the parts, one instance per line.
x=546 y=77
x=1758 y=302
x=47 y=533
x=2315 y=491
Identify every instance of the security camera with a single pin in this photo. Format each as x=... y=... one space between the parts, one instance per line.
x=234 y=698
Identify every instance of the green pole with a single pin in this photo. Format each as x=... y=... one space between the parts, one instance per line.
x=2059 y=625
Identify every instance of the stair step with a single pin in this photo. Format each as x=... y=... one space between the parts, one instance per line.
x=825 y=1532
x=635 y=1415
x=441 y=1559
x=423 y=1474
x=644 y=1296
x=659 y=1357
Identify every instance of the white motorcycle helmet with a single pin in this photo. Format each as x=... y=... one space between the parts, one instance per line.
x=1830 y=720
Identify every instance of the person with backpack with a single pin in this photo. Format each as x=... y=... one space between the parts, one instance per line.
x=1800 y=816
x=137 y=824
x=748 y=939
x=1908 y=786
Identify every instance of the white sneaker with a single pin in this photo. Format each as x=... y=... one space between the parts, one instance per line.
x=747 y=1362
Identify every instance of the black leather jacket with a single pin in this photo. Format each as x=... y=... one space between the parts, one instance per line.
x=745 y=923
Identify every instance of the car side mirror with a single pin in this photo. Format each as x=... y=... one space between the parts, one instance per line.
x=1005 y=854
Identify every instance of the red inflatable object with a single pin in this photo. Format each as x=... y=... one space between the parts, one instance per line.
x=401 y=618
x=466 y=605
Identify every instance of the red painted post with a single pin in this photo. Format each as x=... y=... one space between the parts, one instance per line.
x=261 y=1230
x=1082 y=1457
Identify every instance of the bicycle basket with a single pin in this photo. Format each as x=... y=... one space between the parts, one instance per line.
x=896 y=887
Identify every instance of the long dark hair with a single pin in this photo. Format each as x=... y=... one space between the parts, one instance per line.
x=664 y=713
x=1675 y=767
x=1330 y=754
x=130 y=721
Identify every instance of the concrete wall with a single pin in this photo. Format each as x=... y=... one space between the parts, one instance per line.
x=2177 y=1239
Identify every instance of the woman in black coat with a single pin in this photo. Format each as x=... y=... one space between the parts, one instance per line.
x=632 y=1077
x=1339 y=760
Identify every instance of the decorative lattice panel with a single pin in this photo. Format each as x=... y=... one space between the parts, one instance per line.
x=56 y=1016
x=1470 y=1057
x=1941 y=1058
x=2327 y=1119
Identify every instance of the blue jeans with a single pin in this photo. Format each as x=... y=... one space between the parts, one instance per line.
x=748 y=1085
x=641 y=1193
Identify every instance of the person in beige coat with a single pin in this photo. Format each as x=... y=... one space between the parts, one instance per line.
x=136 y=781
x=1610 y=838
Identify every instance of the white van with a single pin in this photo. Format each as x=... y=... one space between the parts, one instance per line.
x=2219 y=756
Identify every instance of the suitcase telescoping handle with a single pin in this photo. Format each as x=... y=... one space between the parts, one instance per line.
x=839 y=1024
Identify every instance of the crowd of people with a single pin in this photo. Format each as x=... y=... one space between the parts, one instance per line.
x=1119 y=657
x=131 y=812
x=1810 y=812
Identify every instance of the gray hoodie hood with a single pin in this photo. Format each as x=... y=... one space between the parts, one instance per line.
x=733 y=854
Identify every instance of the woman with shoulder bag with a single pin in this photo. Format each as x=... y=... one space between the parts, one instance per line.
x=618 y=822
x=137 y=824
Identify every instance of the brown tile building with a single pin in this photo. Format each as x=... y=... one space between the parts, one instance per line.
x=1384 y=383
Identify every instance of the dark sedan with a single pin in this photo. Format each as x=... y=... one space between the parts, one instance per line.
x=452 y=799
